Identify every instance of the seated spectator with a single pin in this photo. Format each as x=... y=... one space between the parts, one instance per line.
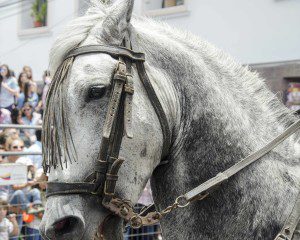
x=3 y=159
x=47 y=81
x=9 y=89
x=36 y=147
x=32 y=227
x=8 y=224
x=28 y=71
x=10 y=134
x=16 y=115
x=3 y=138
x=22 y=197
x=5 y=116
x=29 y=118
x=14 y=145
x=29 y=95
x=21 y=81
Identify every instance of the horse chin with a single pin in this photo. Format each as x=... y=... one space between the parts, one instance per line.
x=109 y=229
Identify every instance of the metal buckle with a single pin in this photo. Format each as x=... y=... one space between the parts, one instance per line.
x=129 y=89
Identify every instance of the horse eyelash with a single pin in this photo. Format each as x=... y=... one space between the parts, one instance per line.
x=97 y=92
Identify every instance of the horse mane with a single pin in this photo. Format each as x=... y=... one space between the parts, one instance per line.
x=223 y=63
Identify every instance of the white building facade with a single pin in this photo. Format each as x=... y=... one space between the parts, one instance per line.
x=253 y=31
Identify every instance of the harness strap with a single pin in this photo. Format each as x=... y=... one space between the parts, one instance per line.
x=208 y=186
x=129 y=91
x=289 y=230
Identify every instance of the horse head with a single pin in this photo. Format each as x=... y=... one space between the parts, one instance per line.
x=78 y=102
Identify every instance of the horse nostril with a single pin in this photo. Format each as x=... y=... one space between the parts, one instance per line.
x=65 y=226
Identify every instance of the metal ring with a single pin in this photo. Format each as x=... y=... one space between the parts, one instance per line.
x=182 y=201
x=136 y=222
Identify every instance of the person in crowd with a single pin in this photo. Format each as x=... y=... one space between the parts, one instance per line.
x=11 y=133
x=12 y=73
x=14 y=145
x=8 y=224
x=16 y=115
x=9 y=89
x=47 y=81
x=29 y=118
x=32 y=226
x=23 y=197
x=5 y=116
x=3 y=159
x=3 y=138
x=28 y=71
x=21 y=81
x=36 y=147
x=29 y=95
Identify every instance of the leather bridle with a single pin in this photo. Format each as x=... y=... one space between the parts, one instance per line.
x=118 y=122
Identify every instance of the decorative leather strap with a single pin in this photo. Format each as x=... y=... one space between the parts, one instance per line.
x=114 y=51
x=113 y=106
x=289 y=230
x=129 y=91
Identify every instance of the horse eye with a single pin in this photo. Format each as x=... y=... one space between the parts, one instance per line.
x=97 y=92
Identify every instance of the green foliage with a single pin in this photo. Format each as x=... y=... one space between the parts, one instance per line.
x=39 y=11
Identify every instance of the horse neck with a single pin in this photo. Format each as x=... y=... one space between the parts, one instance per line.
x=224 y=116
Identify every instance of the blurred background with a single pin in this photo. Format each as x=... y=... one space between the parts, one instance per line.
x=263 y=34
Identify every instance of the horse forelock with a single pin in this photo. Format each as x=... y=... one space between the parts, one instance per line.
x=75 y=33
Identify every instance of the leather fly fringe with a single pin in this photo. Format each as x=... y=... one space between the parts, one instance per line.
x=58 y=145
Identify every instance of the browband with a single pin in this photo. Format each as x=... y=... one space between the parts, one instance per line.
x=114 y=51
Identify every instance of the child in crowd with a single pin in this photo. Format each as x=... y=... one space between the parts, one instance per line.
x=21 y=81
x=29 y=118
x=29 y=95
x=8 y=225
x=9 y=89
x=5 y=116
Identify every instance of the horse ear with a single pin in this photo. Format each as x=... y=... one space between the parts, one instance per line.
x=117 y=20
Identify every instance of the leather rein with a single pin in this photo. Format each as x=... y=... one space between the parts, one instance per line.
x=118 y=123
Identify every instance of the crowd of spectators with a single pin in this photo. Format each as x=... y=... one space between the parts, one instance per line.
x=22 y=102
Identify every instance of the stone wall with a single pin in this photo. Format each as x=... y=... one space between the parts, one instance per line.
x=278 y=75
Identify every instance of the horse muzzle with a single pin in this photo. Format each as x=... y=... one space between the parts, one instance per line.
x=62 y=220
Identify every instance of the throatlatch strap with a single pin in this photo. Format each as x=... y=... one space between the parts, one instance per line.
x=157 y=107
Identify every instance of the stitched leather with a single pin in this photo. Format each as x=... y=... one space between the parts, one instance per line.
x=62 y=188
x=114 y=51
